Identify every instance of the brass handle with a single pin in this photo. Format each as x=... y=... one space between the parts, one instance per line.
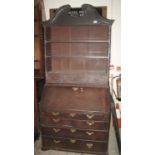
x=72 y=141
x=56 y=120
x=90 y=123
x=72 y=130
x=56 y=141
x=55 y=113
x=75 y=88
x=89 y=145
x=89 y=133
x=90 y=116
x=72 y=114
x=56 y=130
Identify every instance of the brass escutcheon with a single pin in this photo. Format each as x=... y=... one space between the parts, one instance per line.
x=75 y=88
x=81 y=90
x=89 y=145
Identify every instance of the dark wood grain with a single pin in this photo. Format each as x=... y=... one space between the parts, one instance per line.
x=38 y=45
x=65 y=98
x=77 y=133
x=78 y=114
x=82 y=145
x=83 y=124
x=80 y=55
x=75 y=34
x=75 y=109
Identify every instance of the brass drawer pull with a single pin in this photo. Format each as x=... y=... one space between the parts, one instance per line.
x=75 y=88
x=72 y=130
x=89 y=145
x=90 y=116
x=55 y=113
x=89 y=133
x=72 y=115
x=90 y=123
x=73 y=141
x=56 y=120
x=56 y=141
x=56 y=130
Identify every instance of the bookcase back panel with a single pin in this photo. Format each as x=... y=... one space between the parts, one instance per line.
x=77 y=54
x=77 y=49
x=77 y=33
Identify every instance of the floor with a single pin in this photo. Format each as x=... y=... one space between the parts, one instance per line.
x=113 y=149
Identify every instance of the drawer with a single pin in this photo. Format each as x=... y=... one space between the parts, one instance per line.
x=79 y=115
x=75 y=133
x=83 y=124
x=74 y=145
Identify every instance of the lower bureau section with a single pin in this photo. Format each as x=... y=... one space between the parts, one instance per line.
x=75 y=119
x=76 y=145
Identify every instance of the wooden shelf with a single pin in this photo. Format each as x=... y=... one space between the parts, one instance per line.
x=82 y=57
x=88 y=41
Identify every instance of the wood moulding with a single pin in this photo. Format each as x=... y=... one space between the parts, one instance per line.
x=87 y=15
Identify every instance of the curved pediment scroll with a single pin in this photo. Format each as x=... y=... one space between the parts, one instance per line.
x=87 y=15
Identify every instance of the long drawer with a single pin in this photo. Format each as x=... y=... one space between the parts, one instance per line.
x=83 y=124
x=75 y=133
x=77 y=145
x=80 y=115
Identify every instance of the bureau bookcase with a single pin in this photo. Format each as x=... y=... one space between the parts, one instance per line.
x=75 y=108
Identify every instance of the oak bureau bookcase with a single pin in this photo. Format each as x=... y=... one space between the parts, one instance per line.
x=75 y=106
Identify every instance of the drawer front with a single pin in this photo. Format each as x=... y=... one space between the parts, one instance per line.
x=83 y=115
x=75 y=133
x=74 y=145
x=83 y=124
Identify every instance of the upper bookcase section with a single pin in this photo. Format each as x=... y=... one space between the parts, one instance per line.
x=88 y=15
